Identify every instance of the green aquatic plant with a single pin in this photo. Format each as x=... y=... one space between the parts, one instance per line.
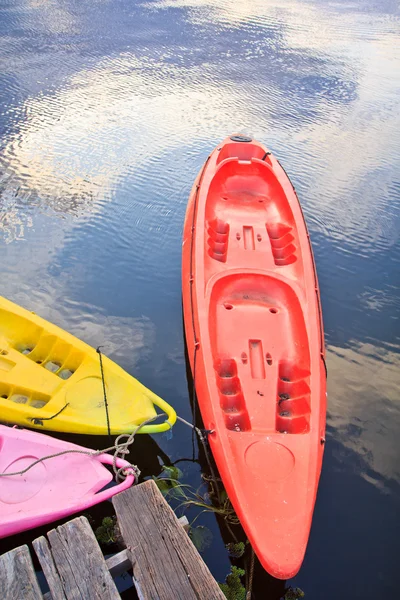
x=293 y=594
x=169 y=485
x=233 y=587
x=168 y=480
x=201 y=537
x=172 y=472
x=236 y=549
x=215 y=501
x=107 y=532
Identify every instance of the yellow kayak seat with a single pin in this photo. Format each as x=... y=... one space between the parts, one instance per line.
x=51 y=380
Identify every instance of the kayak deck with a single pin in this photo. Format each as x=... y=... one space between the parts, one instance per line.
x=52 y=489
x=49 y=379
x=250 y=289
x=269 y=328
x=251 y=230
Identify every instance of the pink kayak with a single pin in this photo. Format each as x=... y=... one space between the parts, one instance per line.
x=52 y=489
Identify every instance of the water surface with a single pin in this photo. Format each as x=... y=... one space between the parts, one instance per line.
x=109 y=109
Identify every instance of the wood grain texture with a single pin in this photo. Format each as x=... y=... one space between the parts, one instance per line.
x=43 y=552
x=117 y=564
x=17 y=576
x=80 y=564
x=166 y=565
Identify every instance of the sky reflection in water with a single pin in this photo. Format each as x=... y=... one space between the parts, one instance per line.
x=109 y=110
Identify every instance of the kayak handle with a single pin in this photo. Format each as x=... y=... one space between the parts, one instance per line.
x=107 y=459
x=165 y=425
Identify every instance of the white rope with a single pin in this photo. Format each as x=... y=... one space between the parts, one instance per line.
x=197 y=430
x=120 y=449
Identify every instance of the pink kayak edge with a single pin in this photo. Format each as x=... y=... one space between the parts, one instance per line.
x=53 y=489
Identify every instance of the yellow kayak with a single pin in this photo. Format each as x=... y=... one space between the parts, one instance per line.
x=50 y=380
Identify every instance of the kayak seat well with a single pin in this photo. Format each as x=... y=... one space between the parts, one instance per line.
x=19 y=331
x=55 y=355
x=266 y=355
x=33 y=363
x=38 y=346
x=247 y=210
x=241 y=152
x=20 y=395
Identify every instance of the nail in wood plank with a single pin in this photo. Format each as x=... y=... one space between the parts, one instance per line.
x=165 y=563
x=17 y=576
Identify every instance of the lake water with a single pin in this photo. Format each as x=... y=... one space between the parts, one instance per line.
x=108 y=110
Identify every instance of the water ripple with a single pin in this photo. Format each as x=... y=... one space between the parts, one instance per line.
x=107 y=112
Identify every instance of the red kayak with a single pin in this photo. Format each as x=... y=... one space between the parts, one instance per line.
x=255 y=341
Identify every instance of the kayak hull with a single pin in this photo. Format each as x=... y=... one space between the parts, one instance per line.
x=51 y=380
x=255 y=342
x=53 y=489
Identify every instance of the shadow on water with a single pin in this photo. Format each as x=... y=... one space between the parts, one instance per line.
x=108 y=110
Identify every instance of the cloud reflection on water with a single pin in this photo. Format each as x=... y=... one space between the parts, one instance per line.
x=113 y=117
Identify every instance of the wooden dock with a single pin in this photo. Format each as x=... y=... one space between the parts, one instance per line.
x=162 y=558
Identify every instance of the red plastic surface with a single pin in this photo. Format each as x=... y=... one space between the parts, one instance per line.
x=251 y=307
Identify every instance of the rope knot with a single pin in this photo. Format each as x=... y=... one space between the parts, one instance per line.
x=124 y=472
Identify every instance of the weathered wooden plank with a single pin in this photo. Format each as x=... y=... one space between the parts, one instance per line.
x=49 y=569
x=17 y=576
x=117 y=564
x=165 y=563
x=82 y=570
